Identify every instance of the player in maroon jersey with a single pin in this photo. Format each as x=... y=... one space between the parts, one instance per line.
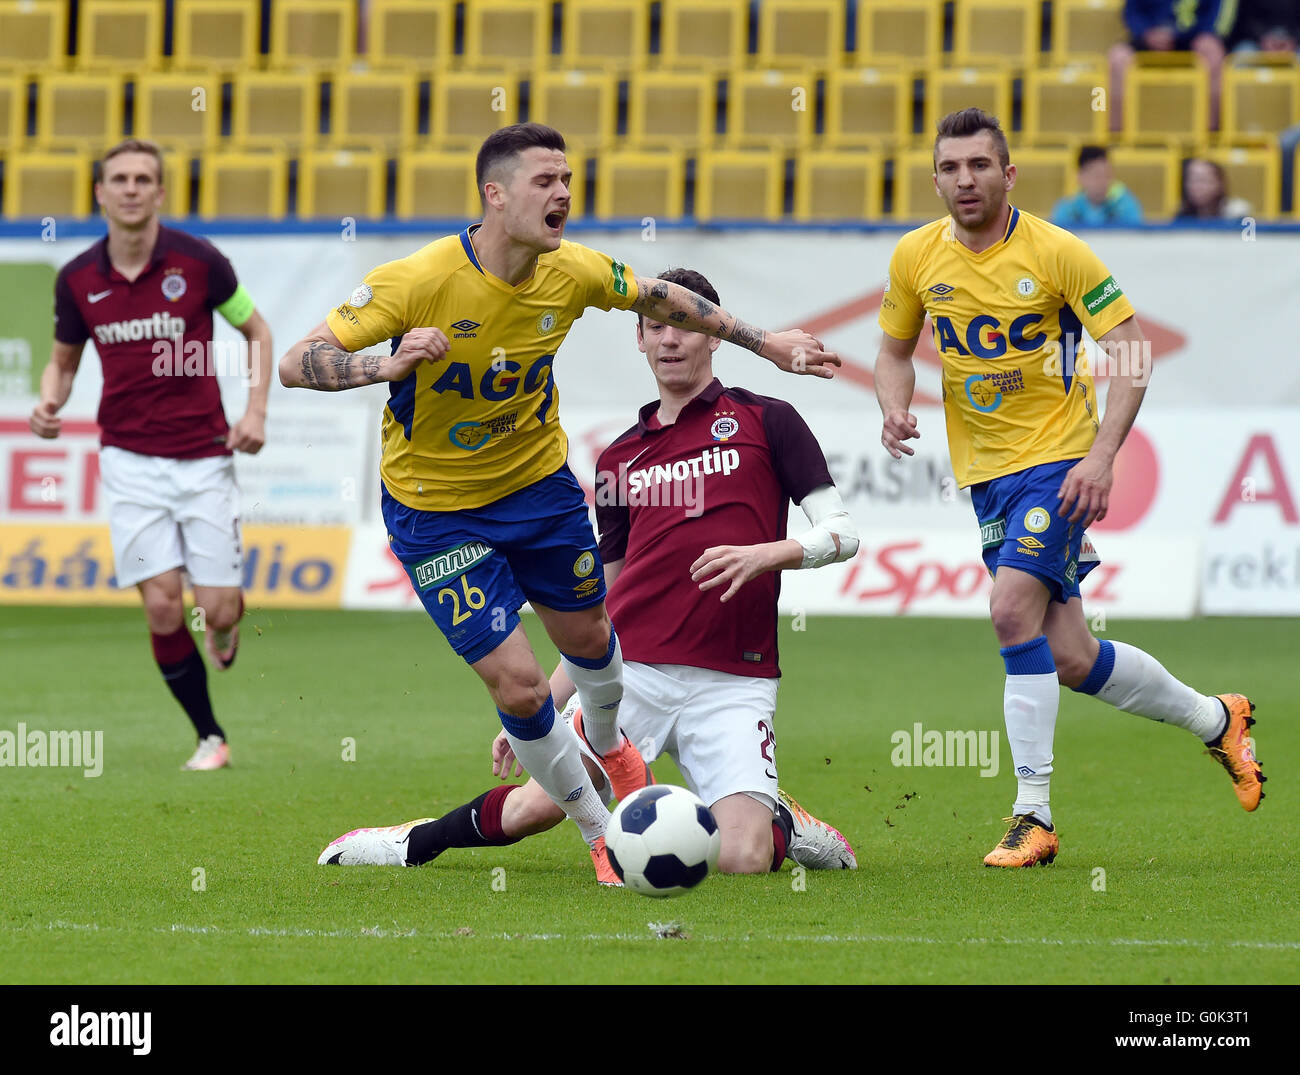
x=145 y=295
x=691 y=504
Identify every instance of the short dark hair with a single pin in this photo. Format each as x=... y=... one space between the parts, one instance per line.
x=970 y=121
x=1088 y=154
x=134 y=145
x=692 y=281
x=510 y=142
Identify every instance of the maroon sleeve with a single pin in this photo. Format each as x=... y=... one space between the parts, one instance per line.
x=69 y=327
x=612 y=520
x=797 y=458
x=221 y=277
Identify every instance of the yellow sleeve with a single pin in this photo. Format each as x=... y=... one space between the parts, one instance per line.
x=609 y=283
x=902 y=314
x=377 y=310
x=1087 y=285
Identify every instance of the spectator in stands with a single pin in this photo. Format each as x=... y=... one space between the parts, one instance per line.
x=1205 y=193
x=1267 y=26
x=1101 y=199
x=1200 y=26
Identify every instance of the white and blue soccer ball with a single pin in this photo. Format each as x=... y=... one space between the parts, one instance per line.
x=662 y=840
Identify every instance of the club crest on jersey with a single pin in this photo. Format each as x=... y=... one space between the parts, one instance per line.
x=546 y=323
x=465 y=328
x=173 y=284
x=941 y=292
x=361 y=295
x=1026 y=286
x=724 y=427
x=1037 y=520
x=584 y=565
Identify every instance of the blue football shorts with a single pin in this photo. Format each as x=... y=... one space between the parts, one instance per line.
x=473 y=570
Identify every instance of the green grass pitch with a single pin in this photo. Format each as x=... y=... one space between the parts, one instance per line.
x=98 y=879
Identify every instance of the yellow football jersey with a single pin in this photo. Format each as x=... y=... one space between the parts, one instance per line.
x=1017 y=387
x=482 y=423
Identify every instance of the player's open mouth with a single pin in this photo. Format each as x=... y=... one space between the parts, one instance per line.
x=555 y=221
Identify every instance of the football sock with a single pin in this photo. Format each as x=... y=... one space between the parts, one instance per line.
x=782 y=830
x=187 y=676
x=600 y=690
x=548 y=751
x=1030 y=701
x=1136 y=682
x=476 y=824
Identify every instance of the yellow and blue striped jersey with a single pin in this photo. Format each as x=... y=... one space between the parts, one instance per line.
x=482 y=423
x=1017 y=387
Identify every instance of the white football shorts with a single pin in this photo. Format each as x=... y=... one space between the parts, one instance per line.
x=167 y=513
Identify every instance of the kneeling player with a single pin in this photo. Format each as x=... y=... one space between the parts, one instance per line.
x=698 y=487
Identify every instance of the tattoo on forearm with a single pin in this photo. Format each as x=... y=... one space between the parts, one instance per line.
x=745 y=335
x=331 y=369
x=677 y=315
x=659 y=290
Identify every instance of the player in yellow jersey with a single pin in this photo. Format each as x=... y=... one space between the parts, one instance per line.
x=479 y=502
x=1007 y=294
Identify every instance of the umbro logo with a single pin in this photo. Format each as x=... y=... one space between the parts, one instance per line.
x=942 y=292
x=465 y=328
x=573 y=796
x=95 y=296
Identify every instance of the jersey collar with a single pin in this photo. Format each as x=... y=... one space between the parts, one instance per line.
x=707 y=397
x=469 y=246
x=1012 y=220
x=160 y=248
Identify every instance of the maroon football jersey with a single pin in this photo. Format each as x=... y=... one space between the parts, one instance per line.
x=165 y=313
x=722 y=474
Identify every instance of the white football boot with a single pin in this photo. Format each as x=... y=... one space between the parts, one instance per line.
x=371 y=847
x=815 y=845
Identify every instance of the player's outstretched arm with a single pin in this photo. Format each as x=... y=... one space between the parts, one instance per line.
x=794 y=351
x=320 y=361
x=895 y=383
x=56 y=387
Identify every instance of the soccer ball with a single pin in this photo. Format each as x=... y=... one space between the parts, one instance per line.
x=662 y=840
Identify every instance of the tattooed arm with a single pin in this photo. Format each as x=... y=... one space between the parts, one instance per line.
x=321 y=362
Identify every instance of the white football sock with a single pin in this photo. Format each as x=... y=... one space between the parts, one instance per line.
x=554 y=761
x=600 y=690
x=1030 y=702
x=1139 y=684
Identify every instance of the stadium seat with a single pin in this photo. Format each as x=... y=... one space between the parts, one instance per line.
x=914 y=194
x=376 y=111
x=275 y=110
x=996 y=32
x=178 y=109
x=1253 y=174
x=611 y=34
x=834 y=185
x=801 y=33
x=313 y=35
x=582 y=105
x=218 y=36
x=739 y=185
x=703 y=35
x=1043 y=178
x=75 y=111
x=176 y=183
x=774 y=109
x=411 y=34
x=48 y=184
x=633 y=185
x=116 y=35
x=250 y=185
x=1058 y=106
x=1165 y=102
x=965 y=87
x=1153 y=175
x=13 y=112
x=904 y=32
x=868 y=106
x=1259 y=102
x=668 y=110
x=466 y=106
x=341 y=183
x=34 y=36
x=511 y=35
x=441 y=185
x=1084 y=30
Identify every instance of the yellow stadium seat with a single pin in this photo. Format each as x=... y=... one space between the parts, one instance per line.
x=341 y=183
x=612 y=34
x=996 y=32
x=1166 y=104
x=313 y=34
x=904 y=32
x=966 y=87
x=915 y=198
x=34 y=36
x=669 y=110
x=275 y=110
x=703 y=35
x=120 y=35
x=178 y=110
x=176 y=184
x=411 y=34
x=13 y=112
x=634 y=185
x=1153 y=175
x=48 y=184
x=1259 y=102
x=465 y=107
x=252 y=185
x=835 y=185
x=1253 y=174
x=868 y=106
x=1043 y=178
x=801 y=33
x=1064 y=107
x=76 y=111
x=739 y=185
x=1084 y=30
x=507 y=35
x=377 y=111
x=771 y=109
x=581 y=105
x=441 y=185
x=216 y=35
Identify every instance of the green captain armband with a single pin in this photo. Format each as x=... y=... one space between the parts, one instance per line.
x=238 y=308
